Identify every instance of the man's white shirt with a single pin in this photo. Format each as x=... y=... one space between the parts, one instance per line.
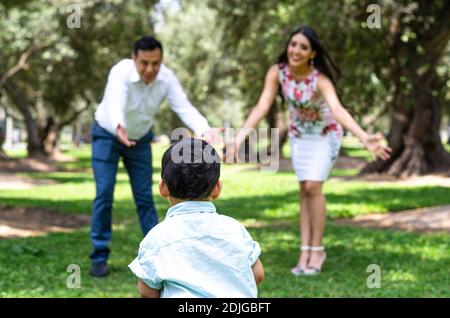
x=130 y=102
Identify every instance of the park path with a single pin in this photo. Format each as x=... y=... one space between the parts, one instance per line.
x=423 y=220
x=11 y=181
x=17 y=222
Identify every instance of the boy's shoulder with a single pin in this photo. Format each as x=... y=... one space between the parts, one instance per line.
x=229 y=219
x=229 y=224
x=221 y=220
x=173 y=229
x=151 y=238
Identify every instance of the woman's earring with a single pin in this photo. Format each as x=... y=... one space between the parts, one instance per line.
x=311 y=62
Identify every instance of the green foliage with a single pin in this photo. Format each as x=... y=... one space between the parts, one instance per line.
x=67 y=69
x=192 y=48
x=257 y=32
x=220 y=50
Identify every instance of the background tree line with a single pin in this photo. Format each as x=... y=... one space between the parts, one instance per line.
x=394 y=78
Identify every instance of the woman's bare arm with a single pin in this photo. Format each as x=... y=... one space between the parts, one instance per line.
x=371 y=142
x=265 y=101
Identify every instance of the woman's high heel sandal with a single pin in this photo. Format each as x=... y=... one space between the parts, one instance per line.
x=310 y=270
x=298 y=270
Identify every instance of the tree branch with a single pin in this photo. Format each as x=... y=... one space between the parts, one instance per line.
x=74 y=115
x=22 y=62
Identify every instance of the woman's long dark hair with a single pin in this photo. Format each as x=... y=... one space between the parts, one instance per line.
x=322 y=60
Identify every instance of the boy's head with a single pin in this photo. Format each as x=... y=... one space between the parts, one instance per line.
x=190 y=171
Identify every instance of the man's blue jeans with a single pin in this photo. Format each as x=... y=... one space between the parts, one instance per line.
x=106 y=151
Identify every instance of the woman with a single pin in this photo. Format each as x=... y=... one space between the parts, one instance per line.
x=306 y=74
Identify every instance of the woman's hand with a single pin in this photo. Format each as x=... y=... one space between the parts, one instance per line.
x=213 y=137
x=373 y=143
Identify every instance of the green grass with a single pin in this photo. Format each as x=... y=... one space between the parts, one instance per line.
x=353 y=148
x=16 y=153
x=447 y=146
x=413 y=265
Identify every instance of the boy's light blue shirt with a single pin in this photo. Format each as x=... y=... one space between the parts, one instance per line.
x=196 y=252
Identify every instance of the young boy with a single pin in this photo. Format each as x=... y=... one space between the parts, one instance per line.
x=196 y=252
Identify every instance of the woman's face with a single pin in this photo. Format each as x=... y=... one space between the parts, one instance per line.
x=299 y=51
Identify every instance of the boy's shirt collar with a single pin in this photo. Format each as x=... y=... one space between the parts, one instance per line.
x=191 y=207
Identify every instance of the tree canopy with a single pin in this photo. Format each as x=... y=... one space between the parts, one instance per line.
x=394 y=59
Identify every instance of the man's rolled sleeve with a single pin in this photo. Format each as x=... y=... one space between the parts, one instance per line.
x=143 y=267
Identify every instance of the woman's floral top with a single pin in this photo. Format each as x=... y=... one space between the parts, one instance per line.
x=309 y=114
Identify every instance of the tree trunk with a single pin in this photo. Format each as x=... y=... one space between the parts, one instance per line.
x=2 y=140
x=50 y=137
x=35 y=146
x=414 y=137
x=3 y=155
x=401 y=118
x=42 y=139
x=41 y=142
x=76 y=134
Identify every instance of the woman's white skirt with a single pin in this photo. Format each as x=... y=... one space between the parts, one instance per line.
x=313 y=156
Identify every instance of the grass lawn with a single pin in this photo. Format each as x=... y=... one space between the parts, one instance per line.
x=412 y=265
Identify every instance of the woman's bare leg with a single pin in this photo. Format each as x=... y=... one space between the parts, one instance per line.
x=317 y=212
x=305 y=228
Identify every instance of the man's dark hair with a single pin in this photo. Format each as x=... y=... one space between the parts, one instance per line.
x=190 y=168
x=147 y=43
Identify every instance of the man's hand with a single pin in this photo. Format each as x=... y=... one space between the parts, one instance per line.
x=122 y=135
x=213 y=137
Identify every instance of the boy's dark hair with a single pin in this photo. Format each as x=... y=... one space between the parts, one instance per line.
x=190 y=168
x=147 y=43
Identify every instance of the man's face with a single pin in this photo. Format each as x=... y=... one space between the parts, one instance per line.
x=148 y=63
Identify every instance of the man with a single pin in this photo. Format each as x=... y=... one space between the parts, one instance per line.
x=134 y=91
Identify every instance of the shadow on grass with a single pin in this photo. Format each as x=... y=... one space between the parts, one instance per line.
x=122 y=209
x=283 y=206
x=67 y=177
x=83 y=162
x=77 y=177
x=388 y=199
x=287 y=204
